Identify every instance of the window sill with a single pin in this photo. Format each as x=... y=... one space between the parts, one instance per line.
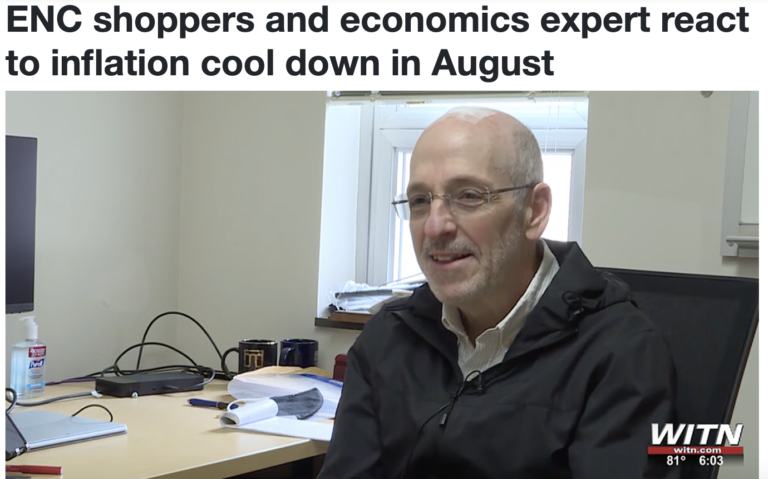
x=747 y=246
x=327 y=323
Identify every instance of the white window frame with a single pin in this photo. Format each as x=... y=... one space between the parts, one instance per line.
x=739 y=239
x=383 y=133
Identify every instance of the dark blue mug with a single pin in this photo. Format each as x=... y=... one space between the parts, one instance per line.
x=298 y=352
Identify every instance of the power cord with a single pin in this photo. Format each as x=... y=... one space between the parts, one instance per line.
x=146 y=331
x=49 y=401
x=199 y=368
x=14 y=398
x=94 y=405
x=119 y=372
x=150 y=343
x=115 y=369
x=14 y=402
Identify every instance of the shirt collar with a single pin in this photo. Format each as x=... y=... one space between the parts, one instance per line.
x=514 y=320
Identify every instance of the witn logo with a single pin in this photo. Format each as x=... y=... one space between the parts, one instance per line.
x=677 y=439
x=670 y=435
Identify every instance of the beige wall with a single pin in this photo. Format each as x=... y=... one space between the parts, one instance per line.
x=250 y=227
x=109 y=189
x=653 y=200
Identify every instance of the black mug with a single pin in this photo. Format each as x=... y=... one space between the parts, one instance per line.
x=298 y=352
x=253 y=354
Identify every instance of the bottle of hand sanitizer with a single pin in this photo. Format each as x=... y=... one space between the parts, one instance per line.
x=28 y=363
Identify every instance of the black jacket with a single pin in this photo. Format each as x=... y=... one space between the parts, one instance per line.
x=574 y=397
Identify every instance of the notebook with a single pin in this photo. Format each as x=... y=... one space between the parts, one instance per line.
x=43 y=429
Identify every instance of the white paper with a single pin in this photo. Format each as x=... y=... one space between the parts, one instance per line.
x=271 y=385
x=249 y=413
x=281 y=426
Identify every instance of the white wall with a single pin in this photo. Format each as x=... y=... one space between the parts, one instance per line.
x=108 y=197
x=653 y=200
x=338 y=226
x=250 y=228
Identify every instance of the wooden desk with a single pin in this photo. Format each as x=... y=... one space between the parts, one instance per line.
x=167 y=438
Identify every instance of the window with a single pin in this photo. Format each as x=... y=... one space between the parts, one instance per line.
x=389 y=129
x=740 y=225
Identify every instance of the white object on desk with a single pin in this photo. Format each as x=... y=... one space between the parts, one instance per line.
x=250 y=385
x=254 y=410
x=260 y=416
x=307 y=429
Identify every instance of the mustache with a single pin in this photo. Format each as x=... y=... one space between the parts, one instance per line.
x=430 y=247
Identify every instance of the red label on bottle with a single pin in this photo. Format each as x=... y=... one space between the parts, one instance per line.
x=37 y=351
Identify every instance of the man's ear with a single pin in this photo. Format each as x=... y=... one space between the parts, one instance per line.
x=537 y=211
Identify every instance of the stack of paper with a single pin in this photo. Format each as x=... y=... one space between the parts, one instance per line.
x=360 y=297
x=252 y=386
x=261 y=416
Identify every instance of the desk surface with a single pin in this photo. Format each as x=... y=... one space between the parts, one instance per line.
x=167 y=438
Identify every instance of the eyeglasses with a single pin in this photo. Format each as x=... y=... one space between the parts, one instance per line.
x=465 y=200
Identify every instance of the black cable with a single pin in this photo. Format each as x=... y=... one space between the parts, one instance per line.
x=172 y=367
x=94 y=405
x=110 y=369
x=146 y=331
x=14 y=398
x=203 y=384
x=14 y=402
x=418 y=434
x=197 y=367
x=58 y=398
x=115 y=369
x=126 y=372
x=449 y=406
x=152 y=343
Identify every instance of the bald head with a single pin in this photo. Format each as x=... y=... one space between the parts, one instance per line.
x=505 y=143
x=471 y=252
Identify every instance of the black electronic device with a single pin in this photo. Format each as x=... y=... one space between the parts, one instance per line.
x=20 y=209
x=146 y=384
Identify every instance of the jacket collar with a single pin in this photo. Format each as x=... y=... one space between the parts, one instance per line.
x=577 y=288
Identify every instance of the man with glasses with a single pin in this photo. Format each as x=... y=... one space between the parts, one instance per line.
x=517 y=358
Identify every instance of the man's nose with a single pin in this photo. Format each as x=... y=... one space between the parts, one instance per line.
x=440 y=221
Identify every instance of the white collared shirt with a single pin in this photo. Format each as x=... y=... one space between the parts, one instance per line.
x=492 y=345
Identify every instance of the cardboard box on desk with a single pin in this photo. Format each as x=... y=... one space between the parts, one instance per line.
x=350 y=317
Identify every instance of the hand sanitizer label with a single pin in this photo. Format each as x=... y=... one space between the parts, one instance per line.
x=37 y=352
x=35 y=371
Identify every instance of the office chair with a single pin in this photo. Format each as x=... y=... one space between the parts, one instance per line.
x=709 y=322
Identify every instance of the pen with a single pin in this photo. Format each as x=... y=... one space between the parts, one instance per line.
x=324 y=379
x=24 y=469
x=213 y=404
